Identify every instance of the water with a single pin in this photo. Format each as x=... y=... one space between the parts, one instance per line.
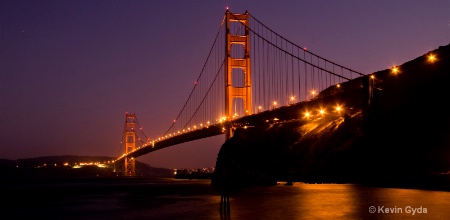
x=134 y=198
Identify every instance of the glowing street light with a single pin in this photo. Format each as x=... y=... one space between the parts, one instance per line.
x=274 y=104
x=307 y=114
x=431 y=58
x=313 y=93
x=322 y=111
x=395 y=70
x=338 y=108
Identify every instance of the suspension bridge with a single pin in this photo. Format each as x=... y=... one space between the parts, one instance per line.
x=251 y=74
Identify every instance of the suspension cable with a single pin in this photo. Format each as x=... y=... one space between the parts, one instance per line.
x=291 y=54
x=361 y=74
x=198 y=78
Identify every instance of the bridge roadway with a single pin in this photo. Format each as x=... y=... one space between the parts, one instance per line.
x=353 y=94
x=205 y=132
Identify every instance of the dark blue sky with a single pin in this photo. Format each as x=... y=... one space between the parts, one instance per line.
x=69 y=70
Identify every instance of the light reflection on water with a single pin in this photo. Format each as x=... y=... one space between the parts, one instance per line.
x=337 y=201
x=195 y=199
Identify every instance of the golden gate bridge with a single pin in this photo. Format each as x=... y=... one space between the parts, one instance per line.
x=250 y=72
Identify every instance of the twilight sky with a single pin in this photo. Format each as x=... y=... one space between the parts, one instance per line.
x=69 y=70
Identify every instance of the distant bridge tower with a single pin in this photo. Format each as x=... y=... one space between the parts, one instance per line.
x=130 y=144
x=244 y=91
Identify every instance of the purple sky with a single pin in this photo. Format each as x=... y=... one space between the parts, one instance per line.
x=69 y=70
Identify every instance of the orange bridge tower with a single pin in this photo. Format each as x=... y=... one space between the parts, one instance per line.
x=238 y=40
x=130 y=144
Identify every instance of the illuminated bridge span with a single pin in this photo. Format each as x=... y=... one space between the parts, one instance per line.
x=250 y=71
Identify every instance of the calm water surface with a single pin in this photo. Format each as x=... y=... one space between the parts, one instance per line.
x=196 y=199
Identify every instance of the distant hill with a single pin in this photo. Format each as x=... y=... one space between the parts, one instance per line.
x=65 y=166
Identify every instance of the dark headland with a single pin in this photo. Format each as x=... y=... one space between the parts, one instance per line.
x=400 y=139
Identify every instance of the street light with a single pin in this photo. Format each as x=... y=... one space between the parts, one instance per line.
x=338 y=108
x=322 y=111
x=431 y=58
x=395 y=70
x=307 y=114
x=313 y=93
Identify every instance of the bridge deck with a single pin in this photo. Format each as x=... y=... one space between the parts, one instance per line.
x=352 y=94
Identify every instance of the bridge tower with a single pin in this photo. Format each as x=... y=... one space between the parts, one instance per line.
x=130 y=144
x=234 y=64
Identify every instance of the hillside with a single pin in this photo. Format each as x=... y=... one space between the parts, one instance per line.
x=399 y=138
